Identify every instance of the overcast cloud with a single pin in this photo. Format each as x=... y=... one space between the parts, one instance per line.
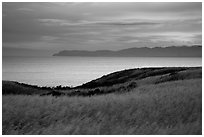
x=93 y=26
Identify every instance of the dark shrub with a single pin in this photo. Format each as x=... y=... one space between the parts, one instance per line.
x=53 y=93
x=132 y=85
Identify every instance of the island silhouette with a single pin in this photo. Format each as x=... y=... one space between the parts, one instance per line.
x=173 y=51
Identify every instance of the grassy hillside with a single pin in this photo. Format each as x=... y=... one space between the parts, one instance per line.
x=167 y=108
x=11 y=87
x=149 y=101
x=118 y=82
x=128 y=75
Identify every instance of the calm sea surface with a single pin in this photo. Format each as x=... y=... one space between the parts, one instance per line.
x=73 y=71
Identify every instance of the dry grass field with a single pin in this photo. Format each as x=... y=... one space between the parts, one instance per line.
x=170 y=107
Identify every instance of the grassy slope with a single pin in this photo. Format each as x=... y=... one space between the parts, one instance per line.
x=118 y=82
x=154 y=101
x=131 y=74
x=11 y=87
x=167 y=108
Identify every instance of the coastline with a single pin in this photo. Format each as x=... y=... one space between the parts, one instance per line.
x=129 y=77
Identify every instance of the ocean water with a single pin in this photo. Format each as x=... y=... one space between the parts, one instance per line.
x=73 y=71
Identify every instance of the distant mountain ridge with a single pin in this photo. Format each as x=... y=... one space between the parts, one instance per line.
x=173 y=51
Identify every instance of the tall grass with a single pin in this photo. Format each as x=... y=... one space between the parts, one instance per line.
x=167 y=108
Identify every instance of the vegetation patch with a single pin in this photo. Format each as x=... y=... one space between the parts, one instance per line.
x=166 y=108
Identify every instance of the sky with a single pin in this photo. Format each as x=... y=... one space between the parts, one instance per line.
x=47 y=28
